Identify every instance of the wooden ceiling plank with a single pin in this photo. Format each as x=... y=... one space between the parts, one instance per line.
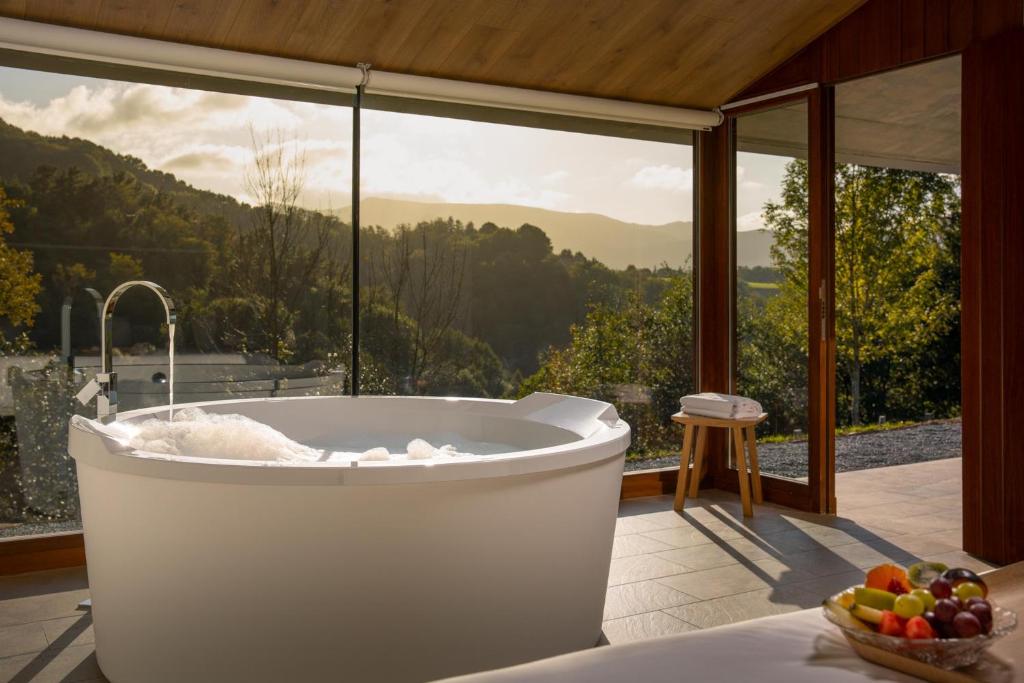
x=200 y=22
x=123 y=17
x=692 y=53
x=480 y=49
x=567 y=56
x=384 y=18
x=263 y=26
x=443 y=29
x=67 y=12
x=618 y=63
x=324 y=28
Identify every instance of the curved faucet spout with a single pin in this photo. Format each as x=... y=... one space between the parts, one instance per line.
x=107 y=333
x=104 y=387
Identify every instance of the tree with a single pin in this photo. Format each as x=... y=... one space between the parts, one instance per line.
x=893 y=254
x=19 y=285
x=420 y=273
x=641 y=349
x=284 y=246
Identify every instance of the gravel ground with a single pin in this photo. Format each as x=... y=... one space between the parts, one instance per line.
x=920 y=443
x=35 y=528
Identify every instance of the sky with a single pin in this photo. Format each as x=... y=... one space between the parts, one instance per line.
x=205 y=138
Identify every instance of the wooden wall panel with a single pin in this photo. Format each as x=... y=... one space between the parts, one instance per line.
x=714 y=277
x=992 y=286
x=36 y=553
x=887 y=34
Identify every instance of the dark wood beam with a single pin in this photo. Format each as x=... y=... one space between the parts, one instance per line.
x=821 y=323
x=992 y=297
x=715 y=277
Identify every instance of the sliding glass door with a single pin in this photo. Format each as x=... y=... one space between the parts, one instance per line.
x=781 y=293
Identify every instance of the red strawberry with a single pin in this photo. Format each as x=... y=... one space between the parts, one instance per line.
x=892 y=624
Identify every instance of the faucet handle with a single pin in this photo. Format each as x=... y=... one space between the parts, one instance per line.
x=86 y=393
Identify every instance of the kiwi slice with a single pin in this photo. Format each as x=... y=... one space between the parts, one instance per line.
x=922 y=574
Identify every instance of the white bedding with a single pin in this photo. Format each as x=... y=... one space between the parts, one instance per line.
x=790 y=648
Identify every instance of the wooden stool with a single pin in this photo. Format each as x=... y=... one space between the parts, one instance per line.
x=700 y=425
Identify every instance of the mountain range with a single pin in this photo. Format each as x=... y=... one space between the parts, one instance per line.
x=615 y=243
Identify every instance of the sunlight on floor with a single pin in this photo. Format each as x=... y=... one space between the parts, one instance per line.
x=707 y=567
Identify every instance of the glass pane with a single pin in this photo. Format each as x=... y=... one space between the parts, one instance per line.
x=502 y=260
x=898 y=267
x=771 y=281
x=227 y=201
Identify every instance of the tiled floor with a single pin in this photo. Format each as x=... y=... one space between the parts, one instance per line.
x=709 y=566
x=670 y=573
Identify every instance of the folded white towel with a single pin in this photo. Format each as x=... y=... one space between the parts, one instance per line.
x=724 y=406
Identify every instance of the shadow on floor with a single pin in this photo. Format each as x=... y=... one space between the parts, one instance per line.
x=85 y=670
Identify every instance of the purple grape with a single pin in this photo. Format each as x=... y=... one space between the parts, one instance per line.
x=941 y=588
x=933 y=621
x=958 y=602
x=974 y=601
x=966 y=625
x=983 y=612
x=945 y=610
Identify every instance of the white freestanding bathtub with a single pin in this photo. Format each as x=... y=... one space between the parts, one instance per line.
x=203 y=569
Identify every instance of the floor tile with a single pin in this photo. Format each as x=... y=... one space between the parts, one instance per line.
x=21 y=639
x=69 y=631
x=642 y=596
x=720 y=554
x=751 y=605
x=37 y=608
x=70 y=665
x=640 y=568
x=635 y=544
x=644 y=626
x=687 y=536
x=737 y=578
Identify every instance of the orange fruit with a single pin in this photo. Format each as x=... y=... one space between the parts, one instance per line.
x=888 y=577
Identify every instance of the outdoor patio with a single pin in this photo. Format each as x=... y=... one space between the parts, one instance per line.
x=670 y=573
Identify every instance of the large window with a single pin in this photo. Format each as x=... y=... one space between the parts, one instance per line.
x=230 y=202
x=495 y=260
x=504 y=260
x=771 y=364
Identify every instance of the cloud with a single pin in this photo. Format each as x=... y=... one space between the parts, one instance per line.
x=210 y=158
x=750 y=221
x=664 y=177
x=203 y=138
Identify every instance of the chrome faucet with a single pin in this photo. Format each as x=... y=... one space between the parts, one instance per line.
x=104 y=386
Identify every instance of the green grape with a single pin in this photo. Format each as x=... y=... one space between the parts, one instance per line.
x=967 y=590
x=926 y=597
x=908 y=605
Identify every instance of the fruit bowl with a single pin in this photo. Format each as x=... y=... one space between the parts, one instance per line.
x=944 y=653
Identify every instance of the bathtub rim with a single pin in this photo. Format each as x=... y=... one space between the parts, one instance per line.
x=609 y=438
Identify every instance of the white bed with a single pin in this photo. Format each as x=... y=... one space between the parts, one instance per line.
x=791 y=648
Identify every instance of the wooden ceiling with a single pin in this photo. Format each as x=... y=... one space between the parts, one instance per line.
x=695 y=53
